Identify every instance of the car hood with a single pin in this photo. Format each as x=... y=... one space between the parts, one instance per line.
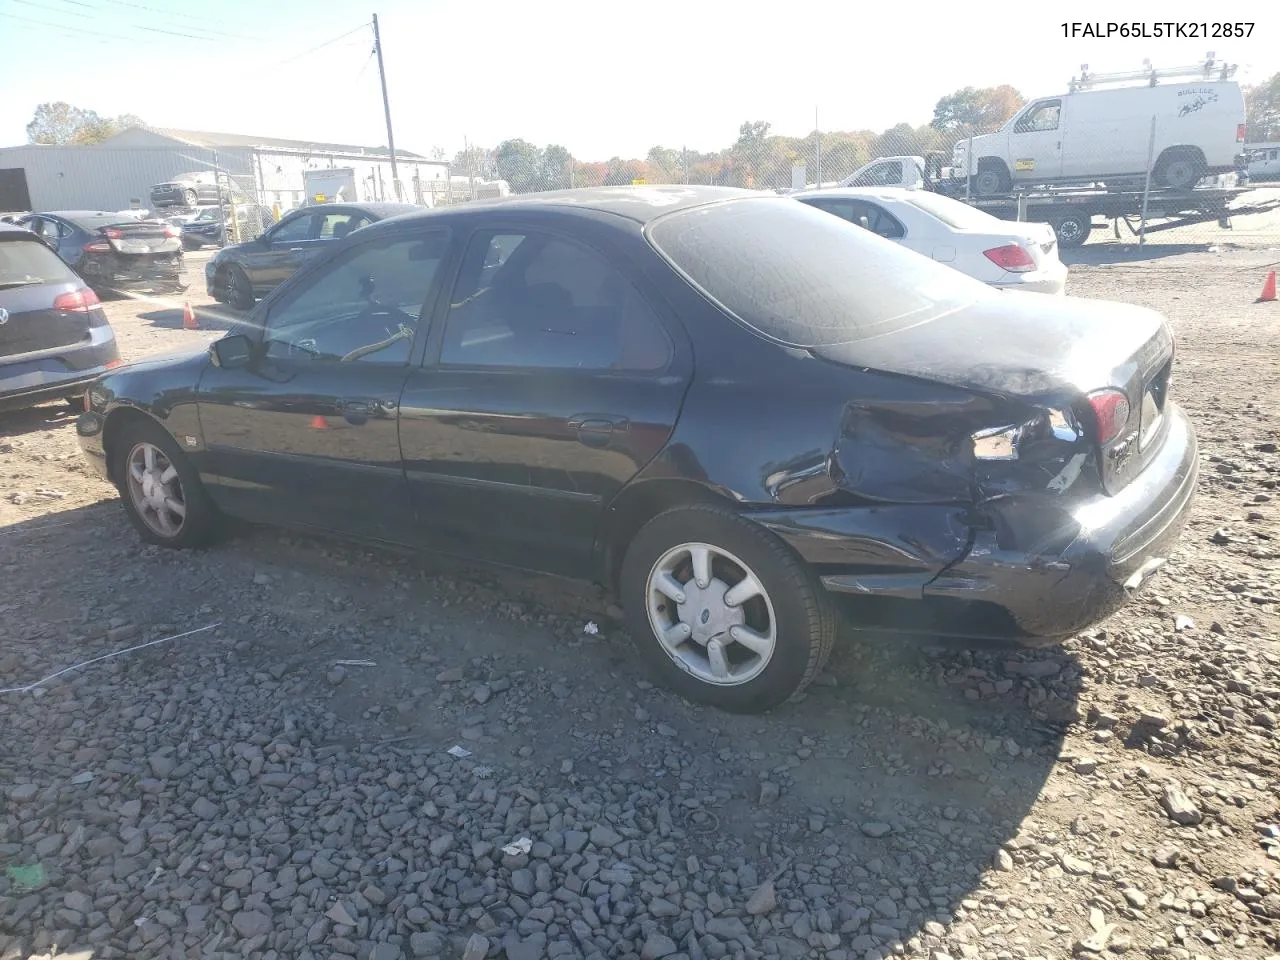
x=185 y=357
x=1018 y=345
x=236 y=250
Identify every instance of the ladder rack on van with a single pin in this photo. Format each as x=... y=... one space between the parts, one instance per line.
x=1203 y=71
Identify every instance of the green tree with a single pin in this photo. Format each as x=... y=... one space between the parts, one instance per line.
x=519 y=163
x=1262 y=111
x=976 y=110
x=61 y=123
x=554 y=165
x=665 y=164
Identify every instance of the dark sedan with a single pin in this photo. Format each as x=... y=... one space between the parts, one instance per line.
x=114 y=251
x=209 y=226
x=239 y=274
x=189 y=189
x=54 y=337
x=730 y=408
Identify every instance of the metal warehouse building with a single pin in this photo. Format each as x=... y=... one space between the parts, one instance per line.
x=118 y=172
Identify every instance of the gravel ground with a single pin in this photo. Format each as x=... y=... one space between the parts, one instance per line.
x=483 y=777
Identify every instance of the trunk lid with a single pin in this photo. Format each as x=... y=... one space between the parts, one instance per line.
x=141 y=237
x=31 y=280
x=1046 y=351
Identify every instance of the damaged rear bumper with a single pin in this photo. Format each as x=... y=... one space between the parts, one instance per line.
x=1037 y=573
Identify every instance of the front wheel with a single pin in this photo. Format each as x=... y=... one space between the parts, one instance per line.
x=189 y=197
x=238 y=289
x=162 y=493
x=722 y=611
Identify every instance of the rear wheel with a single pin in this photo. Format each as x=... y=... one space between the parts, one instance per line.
x=189 y=197
x=239 y=290
x=1073 y=230
x=162 y=493
x=1180 y=171
x=722 y=611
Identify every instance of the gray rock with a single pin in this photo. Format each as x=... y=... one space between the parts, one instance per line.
x=477 y=947
x=162 y=765
x=661 y=907
x=727 y=928
x=1179 y=806
x=876 y=828
x=251 y=923
x=205 y=809
x=604 y=836
x=386 y=951
x=658 y=945
x=763 y=900
x=441 y=845
x=522 y=882
x=426 y=944
x=1003 y=860
x=23 y=792
x=575 y=841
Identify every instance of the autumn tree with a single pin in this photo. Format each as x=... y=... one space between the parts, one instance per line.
x=1262 y=111
x=62 y=123
x=976 y=110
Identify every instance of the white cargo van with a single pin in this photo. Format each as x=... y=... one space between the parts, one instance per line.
x=1094 y=134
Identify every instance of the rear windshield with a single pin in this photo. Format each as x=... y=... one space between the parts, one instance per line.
x=804 y=278
x=24 y=262
x=953 y=213
x=95 y=222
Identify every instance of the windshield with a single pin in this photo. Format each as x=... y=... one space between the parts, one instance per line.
x=25 y=262
x=804 y=278
x=953 y=213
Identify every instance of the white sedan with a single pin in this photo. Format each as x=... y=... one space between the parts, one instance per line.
x=1004 y=253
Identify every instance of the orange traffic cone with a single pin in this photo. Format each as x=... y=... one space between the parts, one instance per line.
x=189 y=321
x=319 y=423
x=1268 y=289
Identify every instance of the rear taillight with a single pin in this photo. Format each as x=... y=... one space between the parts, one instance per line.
x=172 y=232
x=97 y=246
x=112 y=364
x=1239 y=133
x=1011 y=257
x=77 y=301
x=1110 y=413
x=112 y=232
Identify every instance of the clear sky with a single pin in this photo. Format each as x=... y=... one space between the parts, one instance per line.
x=602 y=78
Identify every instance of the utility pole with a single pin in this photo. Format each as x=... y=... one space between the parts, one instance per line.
x=386 y=106
x=817 y=143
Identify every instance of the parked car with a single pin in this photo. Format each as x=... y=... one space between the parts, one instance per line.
x=1003 y=253
x=238 y=274
x=729 y=407
x=190 y=189
x=209 y=226
x=114 y=251
x=54 y=336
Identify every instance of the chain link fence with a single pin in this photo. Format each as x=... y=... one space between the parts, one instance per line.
x=1184 y=200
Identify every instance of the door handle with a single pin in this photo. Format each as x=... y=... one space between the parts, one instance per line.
x=597 y=431
x=366 y=407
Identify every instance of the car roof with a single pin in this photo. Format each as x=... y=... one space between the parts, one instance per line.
x=877 y=193
x=15 y=232
x=641 y=203
x=379 y=208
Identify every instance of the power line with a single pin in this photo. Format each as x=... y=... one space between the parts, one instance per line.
x=205 y=33
x=81 y=30
x=319 y=46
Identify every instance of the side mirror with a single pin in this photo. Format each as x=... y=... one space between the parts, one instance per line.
x=231 y=352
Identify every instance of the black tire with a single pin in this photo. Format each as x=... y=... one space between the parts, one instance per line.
x=1179 y=171
x=199 y=525
x=1073 y=230
x=238 y=289
x=992 y=180
x=191 y=244
x=189 y=197
x=805 y=621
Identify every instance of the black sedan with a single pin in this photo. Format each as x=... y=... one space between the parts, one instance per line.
x=54 y=337
x=114 y=251
x=239 y=274
x=730 y=408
